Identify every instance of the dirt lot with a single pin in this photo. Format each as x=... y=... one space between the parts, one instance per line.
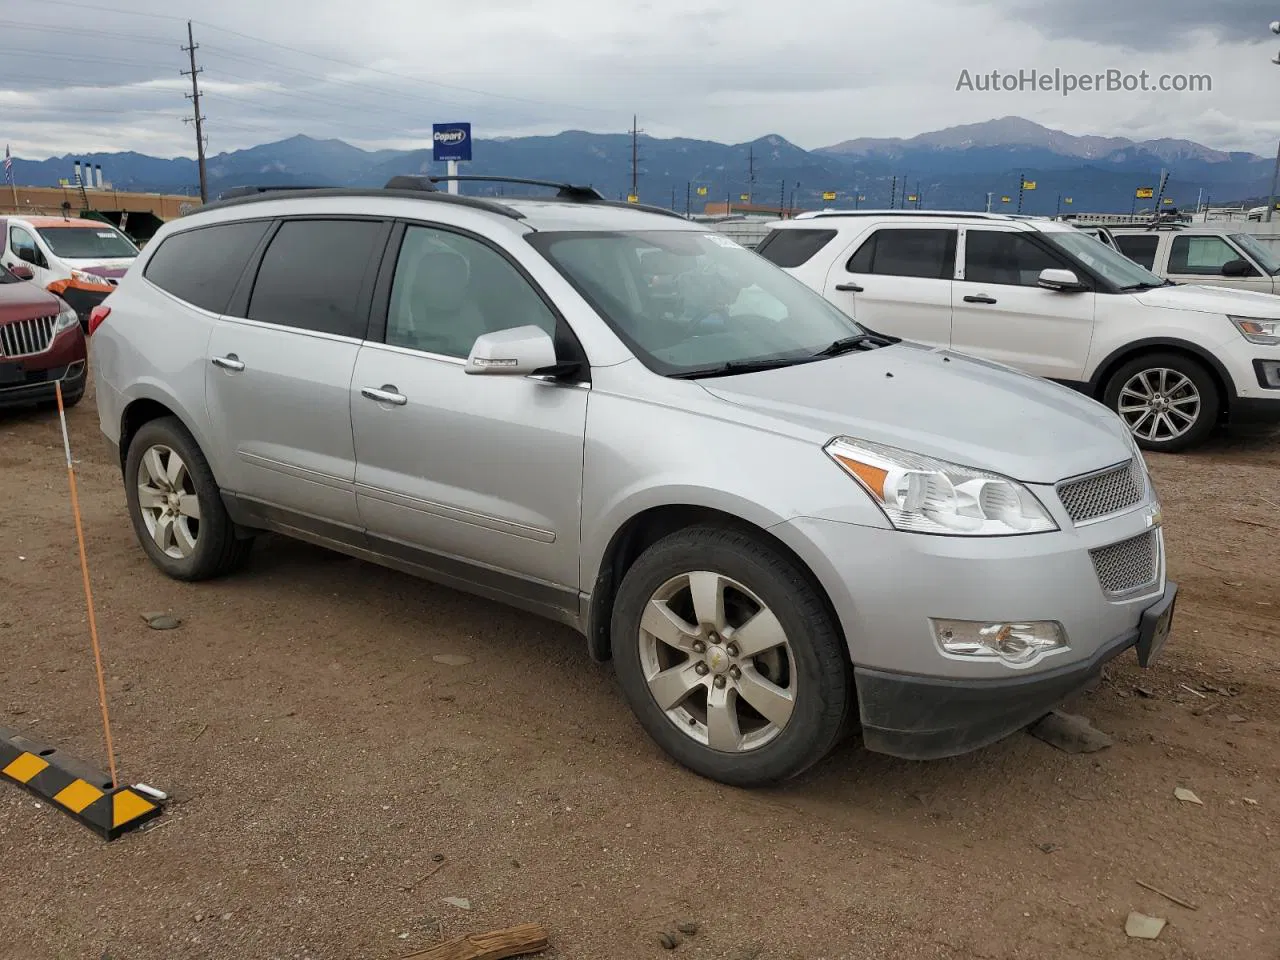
x=320 y=759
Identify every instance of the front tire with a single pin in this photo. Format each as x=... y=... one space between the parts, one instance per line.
x=730 y=658
x=1168 y=401
x=176 y=507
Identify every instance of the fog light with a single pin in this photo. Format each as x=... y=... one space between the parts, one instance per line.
x=1269 y=373
x=1015 y=643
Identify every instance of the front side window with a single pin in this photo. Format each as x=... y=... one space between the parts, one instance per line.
x=1010 y=259
x=686 y=302
x=449 y=289
x=313 y=276
x=102 y=242
x=1140 y=248
x=24 y=247
x=1201 y=256
x=926 y=253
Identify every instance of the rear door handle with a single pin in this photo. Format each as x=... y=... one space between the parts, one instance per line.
x=849 y=287
x=229 y=362
x=387 y=393
x=980 y=298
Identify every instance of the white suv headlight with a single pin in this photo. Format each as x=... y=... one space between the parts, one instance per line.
x=82 y=276
x=922 y=495
x=67 y=318
x=1256 y=330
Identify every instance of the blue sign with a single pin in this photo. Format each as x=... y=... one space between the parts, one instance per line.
x=450 y=141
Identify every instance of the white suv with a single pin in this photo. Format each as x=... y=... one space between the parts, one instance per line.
x=1048 y=299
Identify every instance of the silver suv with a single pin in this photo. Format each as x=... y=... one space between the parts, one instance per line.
x=773 y=520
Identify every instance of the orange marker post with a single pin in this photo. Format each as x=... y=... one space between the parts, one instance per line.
x=88 y=590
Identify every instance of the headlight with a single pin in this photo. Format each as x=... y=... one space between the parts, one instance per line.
x=67 y=318
x=1015 y=643
x=1265 y=332
x=79 y=276
x=922 y=495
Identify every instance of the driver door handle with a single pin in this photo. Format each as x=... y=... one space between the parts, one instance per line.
x=980 y=298
x=385 y=394
x=849 y=287
x=229 y=362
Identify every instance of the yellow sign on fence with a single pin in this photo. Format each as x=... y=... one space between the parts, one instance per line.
x=829 y=195
x=1145 y=193
x=1028 y=184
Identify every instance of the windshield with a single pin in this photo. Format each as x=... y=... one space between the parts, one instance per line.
x=1264 y=257
x=686 y=301
x=1108 y=263
x=88 y=243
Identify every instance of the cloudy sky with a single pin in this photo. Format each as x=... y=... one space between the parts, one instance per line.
x=104 y=74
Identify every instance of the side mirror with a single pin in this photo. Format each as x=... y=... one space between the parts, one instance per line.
x=21 y=271
x=1063 y=281
x=516 y=352
x=1238 y=268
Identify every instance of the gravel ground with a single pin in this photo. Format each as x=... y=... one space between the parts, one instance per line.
x=321 y=760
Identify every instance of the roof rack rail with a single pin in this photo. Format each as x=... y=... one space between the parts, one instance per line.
x=247 y=195
x=564 y=191
x=948 y=214
x=250 y=191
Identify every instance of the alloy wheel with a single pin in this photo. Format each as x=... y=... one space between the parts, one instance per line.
x=1159 y=405
x=168 y=502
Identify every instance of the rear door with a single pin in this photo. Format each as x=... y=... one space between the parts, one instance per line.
x=897 y=280
x=278 y=376
x=1002 y=314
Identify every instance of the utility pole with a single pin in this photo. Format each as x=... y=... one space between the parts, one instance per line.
x=673 y=198
x=688 y=200
x=917 y=194
x=194 y=97
x=751 y=175
x=989 y=196
x=782 y=200
x=635 y=158
x=893 y=194
x=1022 y=182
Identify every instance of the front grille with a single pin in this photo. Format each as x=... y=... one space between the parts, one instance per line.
x=1105 y=493
x=22 y=338
x=1128 y=567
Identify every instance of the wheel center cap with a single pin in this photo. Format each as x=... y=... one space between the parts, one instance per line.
x=718 y=660
x=174 y=501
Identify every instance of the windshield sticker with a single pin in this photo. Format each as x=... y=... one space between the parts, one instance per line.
x=106 y=236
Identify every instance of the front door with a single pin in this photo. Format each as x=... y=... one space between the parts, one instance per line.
x=278 y=380
x=1000 y=313
x=897 y=281
x=478 y=477
x=23 y=249
x=1201 y=259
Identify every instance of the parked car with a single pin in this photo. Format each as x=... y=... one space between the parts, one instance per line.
x=79 y=260
x=41 y=343
x=1204 y=254
x=1047 y=299
x=719 y=479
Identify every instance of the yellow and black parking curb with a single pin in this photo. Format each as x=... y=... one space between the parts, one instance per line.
x=83 y=793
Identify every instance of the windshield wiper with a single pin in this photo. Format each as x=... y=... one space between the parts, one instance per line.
x=739 y=366
x=1147 y=285
x=848 y=344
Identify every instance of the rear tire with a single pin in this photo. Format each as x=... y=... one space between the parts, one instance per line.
x=771 y=686
x=176 y=507
x=1170 y=402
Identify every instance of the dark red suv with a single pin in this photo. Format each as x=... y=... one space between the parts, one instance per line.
x=41 y=342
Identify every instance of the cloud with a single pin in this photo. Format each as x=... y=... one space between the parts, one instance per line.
x=815 y=71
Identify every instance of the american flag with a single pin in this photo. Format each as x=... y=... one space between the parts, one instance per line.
x=8 y=162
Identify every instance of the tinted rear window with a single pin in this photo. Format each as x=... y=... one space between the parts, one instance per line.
x=202 y=266
x=312 y=276
x=791 y=248
x=1138 y=248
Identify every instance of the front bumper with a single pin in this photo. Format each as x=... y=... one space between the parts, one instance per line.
x=926 y=718
x=38 y=386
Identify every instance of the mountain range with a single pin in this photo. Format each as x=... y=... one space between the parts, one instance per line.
x=954 y=168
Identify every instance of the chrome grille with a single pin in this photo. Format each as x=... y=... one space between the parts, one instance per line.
x=1105 y=493
x=1128 y=567
x=22 y=338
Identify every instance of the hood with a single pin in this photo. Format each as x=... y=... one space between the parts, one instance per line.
x=113 y=268
x=1219 y=300
x=940 y=404
x=26 y=299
